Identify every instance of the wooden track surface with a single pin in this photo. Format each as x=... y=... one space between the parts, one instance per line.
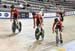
x=25 y=41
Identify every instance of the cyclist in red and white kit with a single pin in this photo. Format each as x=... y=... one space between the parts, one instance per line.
x=57 y=28
x=60 y=14
x=14 y=13
x=37 y=19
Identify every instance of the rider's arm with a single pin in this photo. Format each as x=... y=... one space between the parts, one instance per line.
x=34 y=21
x=40 y=21
x=60 y=25
x=53 y=26
x=11 y=14
x=17 y=12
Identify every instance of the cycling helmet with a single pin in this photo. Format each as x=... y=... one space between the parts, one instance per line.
x=12 y=6
x=56 y=20
x=33 y=13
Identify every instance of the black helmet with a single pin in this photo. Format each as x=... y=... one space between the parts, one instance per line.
x=12 y=6
x=56 y=19
x=33 y=13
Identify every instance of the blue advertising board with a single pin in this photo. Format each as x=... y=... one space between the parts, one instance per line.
x=4 y=15
x=24 y=15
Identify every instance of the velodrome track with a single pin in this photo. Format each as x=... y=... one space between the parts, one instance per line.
x=25 y=40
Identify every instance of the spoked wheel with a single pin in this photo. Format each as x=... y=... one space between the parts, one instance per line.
x=57 y=37
x=20 y=27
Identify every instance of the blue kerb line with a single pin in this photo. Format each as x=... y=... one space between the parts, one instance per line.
x=44 y=17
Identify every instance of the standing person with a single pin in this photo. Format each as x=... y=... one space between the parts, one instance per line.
x=57 y=27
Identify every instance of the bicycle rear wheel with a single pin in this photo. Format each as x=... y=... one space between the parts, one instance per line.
x=20 y=26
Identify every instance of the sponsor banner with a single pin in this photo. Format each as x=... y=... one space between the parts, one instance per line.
x=4 y=15
x=70 y=13
x=44 y=15
x=24 y=15
x=49 y=15
x=29 y=15
x=74 y=12
x=7 y=15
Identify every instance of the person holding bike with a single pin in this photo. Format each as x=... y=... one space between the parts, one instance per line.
x=14 y=14
x=37 y=21
x=57 y=27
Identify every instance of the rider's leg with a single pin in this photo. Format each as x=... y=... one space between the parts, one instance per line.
x=17 y=23
x=14 y=25
x=62 y=23
x=39 y=29
x=42 y=33
x=61 y=40
x=38 y=26
x=37 y=35
x=57 y=36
